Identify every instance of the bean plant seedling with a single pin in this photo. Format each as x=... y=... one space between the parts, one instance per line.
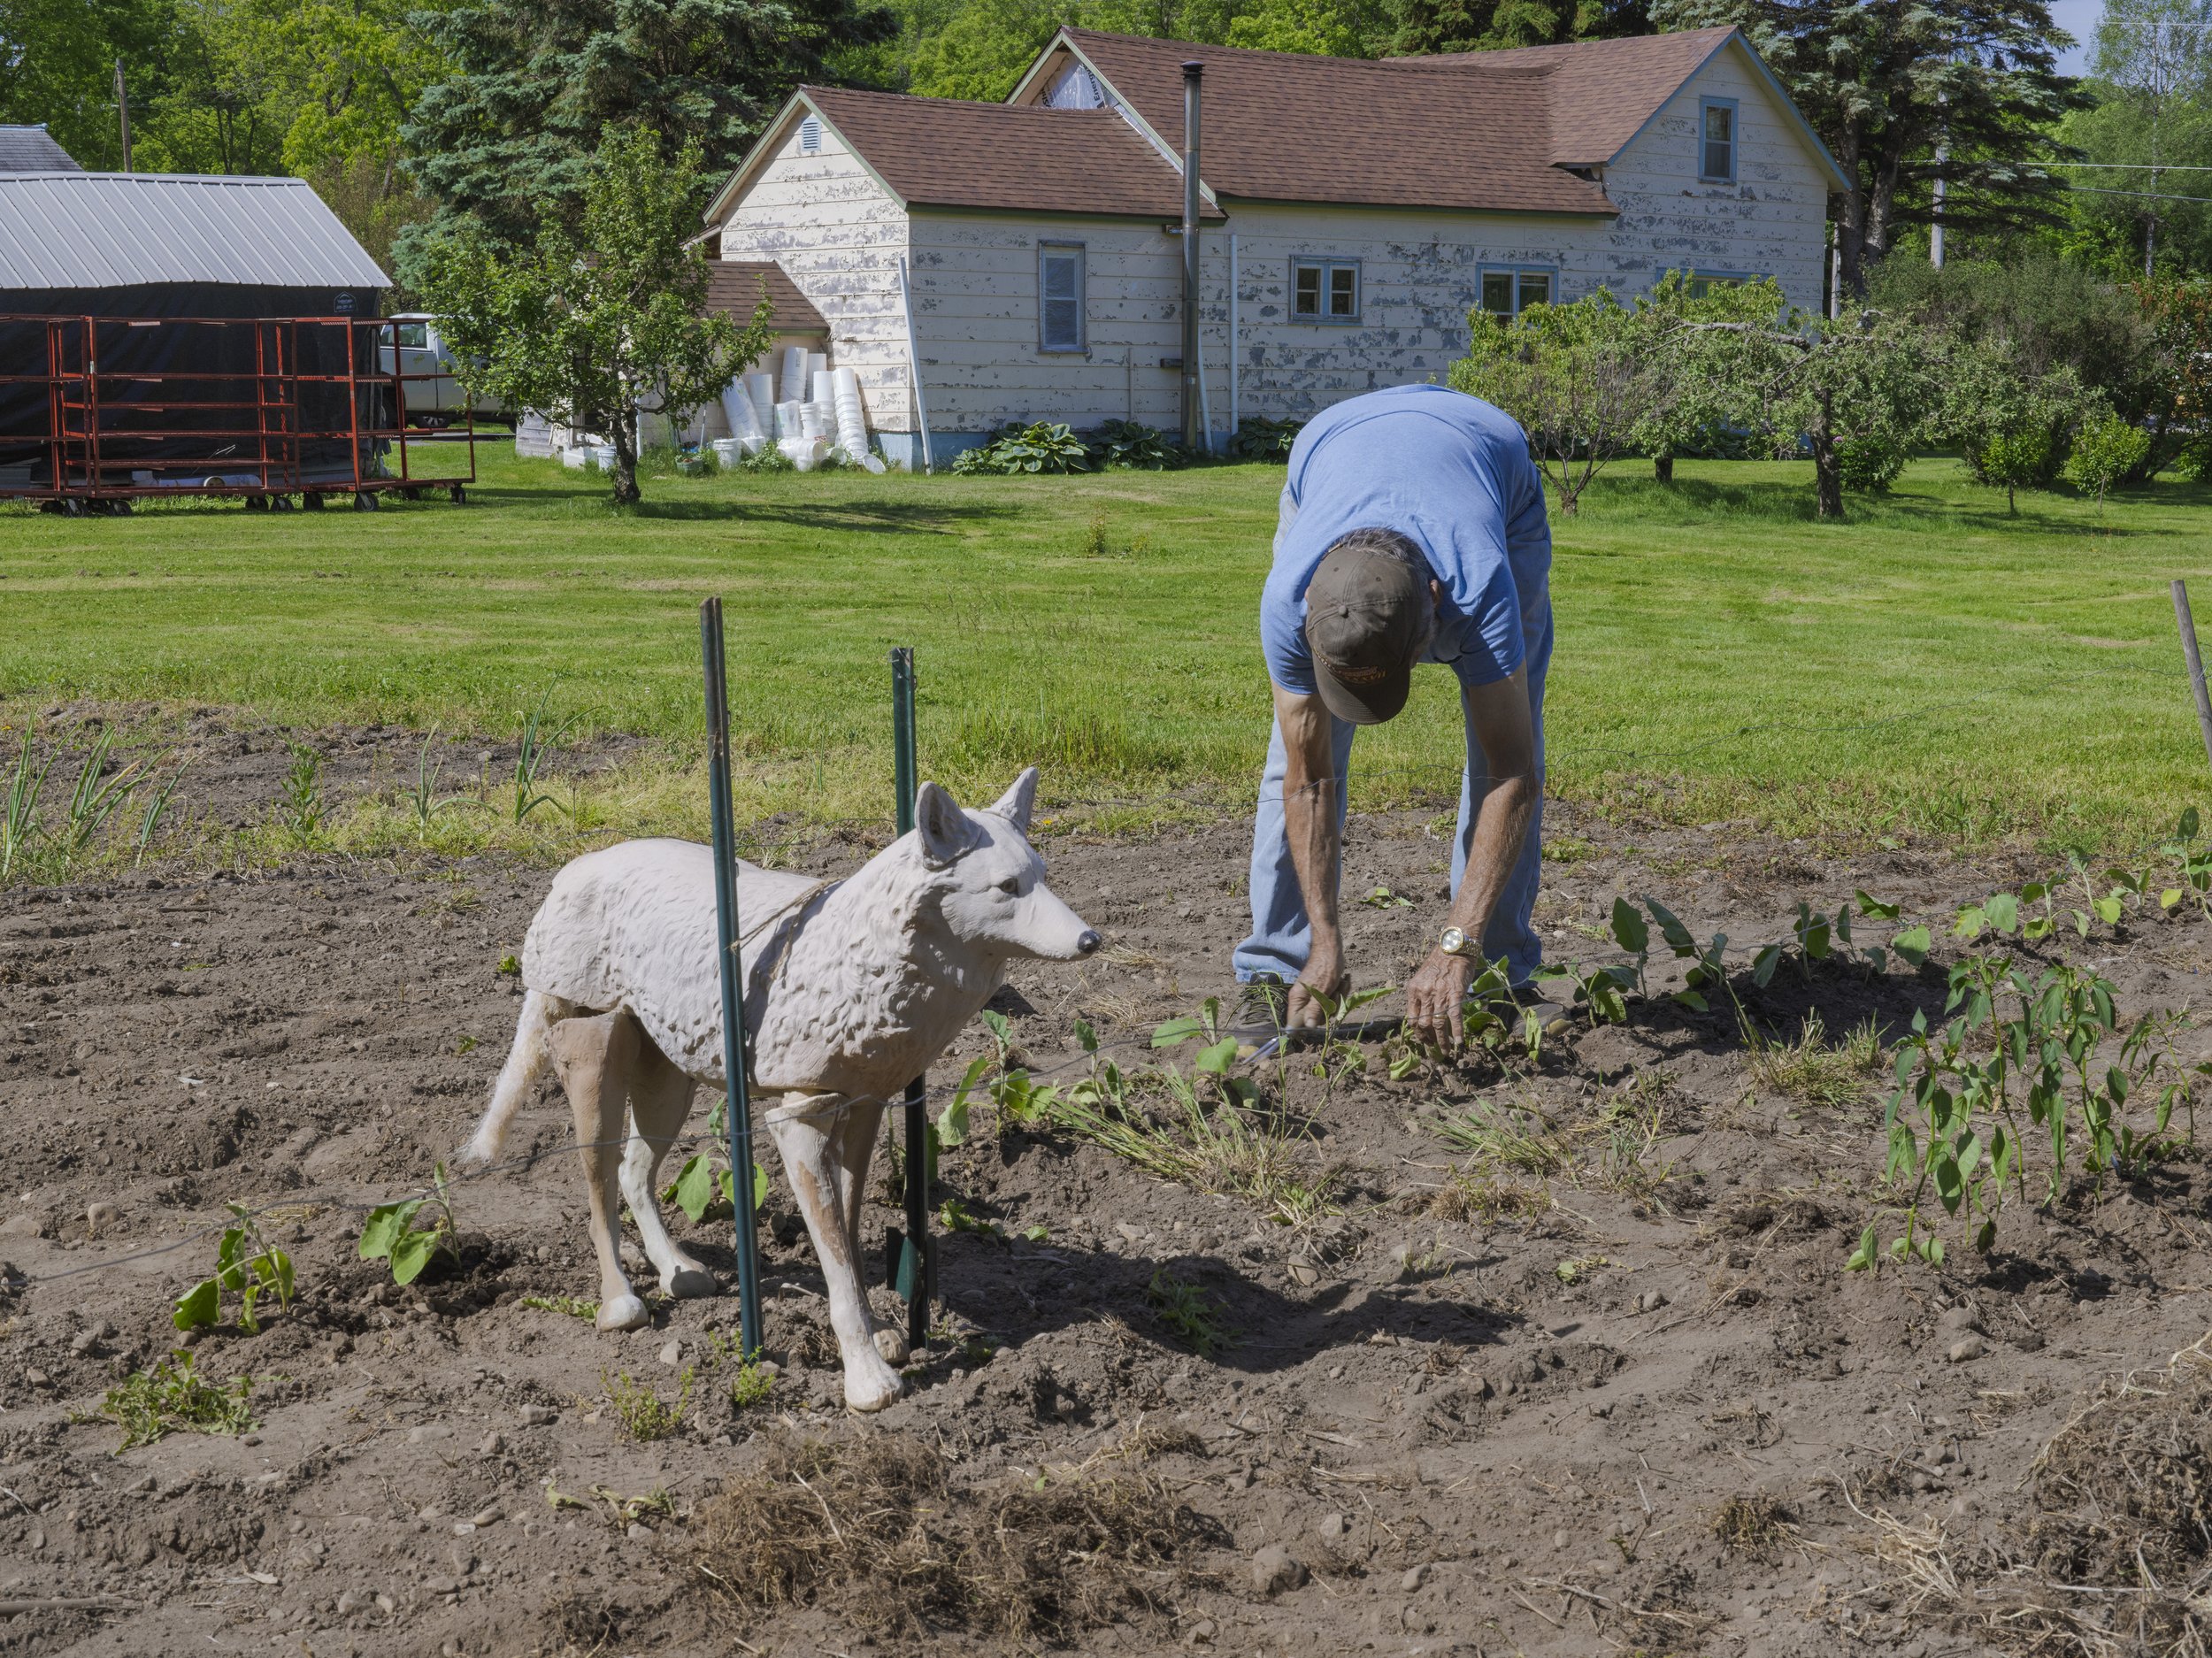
x=247 y=1265
x=401 y=1235
x=1187 y=1312
x=2019 y=1059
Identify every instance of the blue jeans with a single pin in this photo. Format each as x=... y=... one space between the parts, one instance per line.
x=1281 y=936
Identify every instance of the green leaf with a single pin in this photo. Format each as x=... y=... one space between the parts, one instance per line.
x=387 y=1224
x=1912 y=946
x=2002 y=910
x=410 y=1254
x=1863 y=1257
x=695 y=1187
x=197 y=1305
x=1219 y=1057
x=1085 y=1037
x=1629 y=929
x=760 y=1188
x=1986 y=1238
x=1933 y=1252
x=1971 y=920
x=2187 y=829
x=2107 y=909
x=1764 y=964
x=1691 y=999
x=952 y=1125
x=1177 y=1030
x=1876 y=908
x=1677 y=935
x=1001 y=1028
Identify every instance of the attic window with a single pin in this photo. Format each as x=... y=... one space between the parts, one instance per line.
x=811 y=137
x=1716 y=139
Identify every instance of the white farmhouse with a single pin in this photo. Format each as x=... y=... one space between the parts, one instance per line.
x=980 y=262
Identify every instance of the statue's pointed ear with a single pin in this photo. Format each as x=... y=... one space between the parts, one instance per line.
x=1019 y=801
x=943 y=827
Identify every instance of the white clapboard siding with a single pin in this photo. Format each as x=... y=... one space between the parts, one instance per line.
x=976 y=316
x=838 y=235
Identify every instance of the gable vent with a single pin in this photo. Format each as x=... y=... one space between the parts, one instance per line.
x=811 y=137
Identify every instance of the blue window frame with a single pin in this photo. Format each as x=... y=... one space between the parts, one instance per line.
x=1506 y=290
x=1324 y=292
x=1716 y=139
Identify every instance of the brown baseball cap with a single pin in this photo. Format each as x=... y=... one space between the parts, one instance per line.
x=1367 y=616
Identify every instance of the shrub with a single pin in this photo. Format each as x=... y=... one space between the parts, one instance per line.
x=1871 y=462
x=1258 y=439
x=1044 y=446
x=1129 y=446
x=2106 y=450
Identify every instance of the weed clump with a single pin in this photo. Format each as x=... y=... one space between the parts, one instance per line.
x=173 y=1398
x=875 y=1534
x=1814 y=1070
x=644 y=1415
x=1756 y=1524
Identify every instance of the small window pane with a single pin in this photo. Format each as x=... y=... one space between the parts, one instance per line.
x=1720 y=141
x=1535 y=288
x=1497 y=292
x=1060 y=299
x=1306 y=295
x=416 y=336
x=1343 y=291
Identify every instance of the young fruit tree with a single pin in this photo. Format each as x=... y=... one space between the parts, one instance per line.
x=1577 y=378
x=584 y=328
x=2010 y=424
x=2106 y=450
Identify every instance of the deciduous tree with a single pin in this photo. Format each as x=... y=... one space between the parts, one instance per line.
x=582 y=326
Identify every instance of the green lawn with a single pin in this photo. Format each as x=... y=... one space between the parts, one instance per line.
x=1932 y=666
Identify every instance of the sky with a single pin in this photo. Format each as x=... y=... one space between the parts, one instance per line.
x=2078 y=19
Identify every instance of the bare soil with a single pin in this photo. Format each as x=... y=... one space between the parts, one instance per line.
x=1649 y=1414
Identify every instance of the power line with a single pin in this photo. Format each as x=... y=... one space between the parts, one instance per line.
x=2134 y=167
x=2147 y=195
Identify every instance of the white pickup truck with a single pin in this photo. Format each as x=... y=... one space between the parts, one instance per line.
x=434 y=398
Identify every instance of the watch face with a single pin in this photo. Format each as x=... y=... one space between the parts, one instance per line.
x=1453 y=941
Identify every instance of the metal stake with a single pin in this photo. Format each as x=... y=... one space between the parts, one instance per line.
x=738 y=1110
x=2187 y=624
x=912 y=1276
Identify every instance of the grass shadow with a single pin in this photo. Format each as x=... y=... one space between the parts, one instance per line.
x=840 y=518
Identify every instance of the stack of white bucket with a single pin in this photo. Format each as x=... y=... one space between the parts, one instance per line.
x=809 y=413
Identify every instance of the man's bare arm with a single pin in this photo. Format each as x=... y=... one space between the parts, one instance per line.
x=1309 y=801
x=1498 y=715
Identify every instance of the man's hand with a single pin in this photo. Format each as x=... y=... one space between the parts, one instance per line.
x=1325 y=982
x=1434 y=998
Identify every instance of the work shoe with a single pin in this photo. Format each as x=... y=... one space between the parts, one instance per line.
x=1262 y=1004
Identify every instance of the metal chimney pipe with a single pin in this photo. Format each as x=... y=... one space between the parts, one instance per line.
x=1192 y=74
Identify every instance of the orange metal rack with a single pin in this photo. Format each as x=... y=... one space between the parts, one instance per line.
x=301 y=406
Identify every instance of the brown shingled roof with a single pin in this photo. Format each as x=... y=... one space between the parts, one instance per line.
x=734 y=289
x=947 y=152
x=1365 y=132
x=1601 y=92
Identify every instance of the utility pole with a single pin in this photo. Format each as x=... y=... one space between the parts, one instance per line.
x=123 y=112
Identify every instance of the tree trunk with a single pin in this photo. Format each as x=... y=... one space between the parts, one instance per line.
x=1663 y=468
x=1827 y=468
x=625 y=489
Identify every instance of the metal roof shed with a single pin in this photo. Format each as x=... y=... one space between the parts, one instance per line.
x=116 y=251
x=33 y=149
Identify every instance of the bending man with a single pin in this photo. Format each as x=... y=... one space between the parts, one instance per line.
x=1412 y=530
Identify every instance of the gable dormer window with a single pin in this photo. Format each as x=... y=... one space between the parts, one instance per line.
x=811 y=135
x=1716 y=139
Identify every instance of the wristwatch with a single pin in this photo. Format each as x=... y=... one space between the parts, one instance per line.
x=1451 y=943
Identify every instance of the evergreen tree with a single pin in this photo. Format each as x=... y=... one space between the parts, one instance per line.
x=1904 y=92
x=1474 y=25
x=514 y=129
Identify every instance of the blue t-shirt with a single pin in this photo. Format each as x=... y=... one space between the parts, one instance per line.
x=1453 y=475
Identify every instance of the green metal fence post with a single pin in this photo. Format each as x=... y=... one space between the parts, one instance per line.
x=739 y=1108
x=911 y=1270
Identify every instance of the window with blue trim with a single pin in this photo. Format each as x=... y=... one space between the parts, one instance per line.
x=1716 y=139
x=1704 y=282
x=1324 y=291
x=1509 y=289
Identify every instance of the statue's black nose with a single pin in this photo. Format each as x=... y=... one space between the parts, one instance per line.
x=1087 y=943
